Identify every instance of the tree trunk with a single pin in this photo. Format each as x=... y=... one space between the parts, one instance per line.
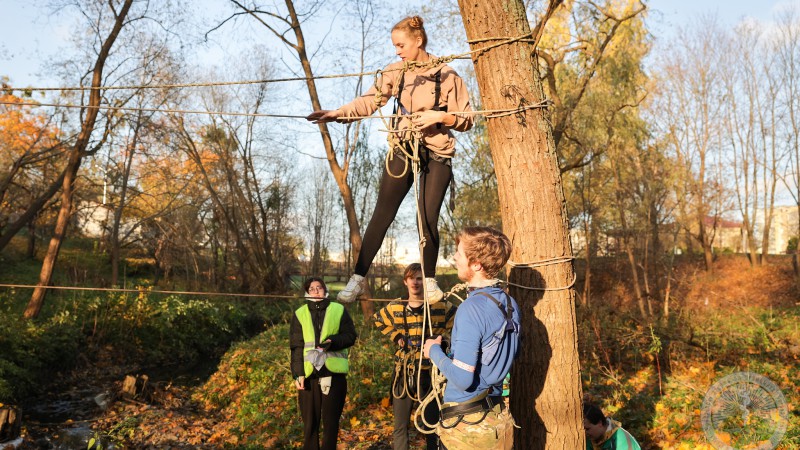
x=587 y=273
x=123 y=196
x=338 y=171
x=706 y=243
x=31 y=253
x=546 y=393
x=75 y=157
x=62 y=221
x=637 y=289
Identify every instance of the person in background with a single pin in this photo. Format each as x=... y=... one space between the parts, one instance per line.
x=604 y=433
x=424 y=98
x=320 y=333
x=403 y=323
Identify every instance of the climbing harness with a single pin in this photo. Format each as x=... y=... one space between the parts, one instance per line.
x=406 y=382
x=483 y=403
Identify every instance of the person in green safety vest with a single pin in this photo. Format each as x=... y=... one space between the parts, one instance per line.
x=319 y=337
x=604 y=433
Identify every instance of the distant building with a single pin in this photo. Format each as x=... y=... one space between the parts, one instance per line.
x=94 y=220
x=783 y=227
x=729 y=235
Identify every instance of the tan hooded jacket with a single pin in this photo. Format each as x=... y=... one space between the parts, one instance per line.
x=418 y=95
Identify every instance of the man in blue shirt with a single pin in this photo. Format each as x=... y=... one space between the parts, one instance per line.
x=484 y=343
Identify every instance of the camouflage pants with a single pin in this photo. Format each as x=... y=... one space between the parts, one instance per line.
x=496 y=431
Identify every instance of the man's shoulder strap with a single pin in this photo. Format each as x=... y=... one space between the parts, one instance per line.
x=507 y=309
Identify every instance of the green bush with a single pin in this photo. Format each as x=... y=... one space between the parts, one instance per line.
x=30 y=352
x=143 y=329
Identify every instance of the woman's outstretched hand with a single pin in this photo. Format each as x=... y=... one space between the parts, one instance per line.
x=323 y=116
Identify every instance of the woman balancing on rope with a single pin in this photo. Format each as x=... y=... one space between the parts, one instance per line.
x=424 y=92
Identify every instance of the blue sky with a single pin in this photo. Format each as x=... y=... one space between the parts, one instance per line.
x=28 y=36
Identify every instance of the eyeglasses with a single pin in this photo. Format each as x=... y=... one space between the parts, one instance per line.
x=316 y=289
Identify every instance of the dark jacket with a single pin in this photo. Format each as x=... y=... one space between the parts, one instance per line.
x=342 y=340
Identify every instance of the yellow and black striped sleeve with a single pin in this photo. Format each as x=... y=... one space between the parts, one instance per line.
x=385 y=321
x=443 y=316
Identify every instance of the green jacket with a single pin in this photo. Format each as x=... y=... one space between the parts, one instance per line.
x=616 y=438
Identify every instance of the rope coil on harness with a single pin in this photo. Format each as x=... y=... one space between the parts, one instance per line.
x=406 y=370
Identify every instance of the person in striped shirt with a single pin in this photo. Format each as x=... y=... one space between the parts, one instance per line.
x=402 y=322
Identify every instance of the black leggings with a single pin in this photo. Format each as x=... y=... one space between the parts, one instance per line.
x=435 y=176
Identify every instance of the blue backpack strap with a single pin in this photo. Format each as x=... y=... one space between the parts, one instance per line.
x=489 y=351
x=507 y=309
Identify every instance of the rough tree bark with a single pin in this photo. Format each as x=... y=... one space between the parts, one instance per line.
x=546 y=388
x=76 y=154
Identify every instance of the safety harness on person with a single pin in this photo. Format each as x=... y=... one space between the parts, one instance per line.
x=313 y=357
x=395 y=140
x=405 y=370
x=401 y=143
x=483 y=403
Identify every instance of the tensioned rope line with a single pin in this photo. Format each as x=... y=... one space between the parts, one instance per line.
x=503 y=41
x=544 y=262
x=531 y=288
x=153 y=291
x=488 y=113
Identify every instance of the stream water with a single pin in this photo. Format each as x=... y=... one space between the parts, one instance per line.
x=61 y=419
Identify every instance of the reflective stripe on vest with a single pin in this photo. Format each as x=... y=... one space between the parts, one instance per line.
x=336 y=361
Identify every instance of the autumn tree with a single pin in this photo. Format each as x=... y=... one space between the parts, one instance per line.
x=788 y=66
x=248 y=186
x=171 y=216
x=546 y=398
x=107 y=21
x=285 y=24
x=139 y=133
x=592 y=55
x=586 y=49
x=691 y=100
x=31 y=167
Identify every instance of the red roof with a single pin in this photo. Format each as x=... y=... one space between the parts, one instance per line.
x=721 y=223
